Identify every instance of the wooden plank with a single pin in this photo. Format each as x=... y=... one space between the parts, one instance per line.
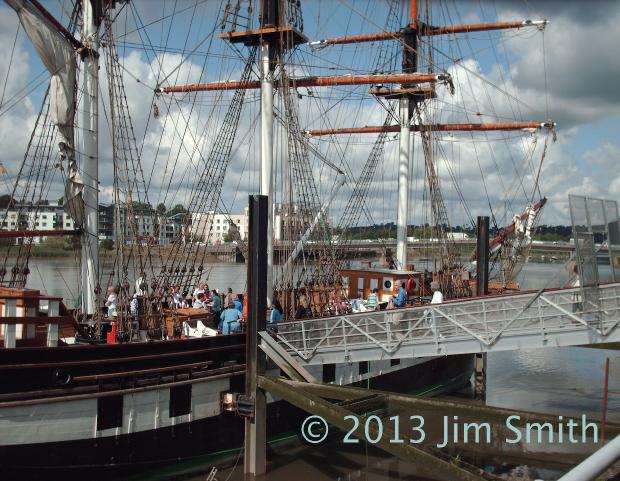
x=12 y=320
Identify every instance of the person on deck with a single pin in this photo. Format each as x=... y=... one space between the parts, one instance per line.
x=199 y=289
x=436 y=299
x=400 y=299
x=229 y=322
x=237 y=303
x=371 y=303
x=216 y=307
x=303 y=310
x=411 y=289
x=437 y=295
x=229 y=296
x=277 y=313
x=199 y=302
x=112 y=301
x=177 y=298
x=244 y=310
x=574 y=281
x=141 y=285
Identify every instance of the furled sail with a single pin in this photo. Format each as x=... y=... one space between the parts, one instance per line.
x=59 y=57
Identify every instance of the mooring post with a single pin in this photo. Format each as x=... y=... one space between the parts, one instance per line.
x=482 y=257
x=605 y=399
x=480 y=375
x=255 y=427
x=482 y=289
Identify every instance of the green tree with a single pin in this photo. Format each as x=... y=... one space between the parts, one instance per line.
x=141 y=205
x=106 y=245
x=6 y=201
x=161 y=208
x=177 y=209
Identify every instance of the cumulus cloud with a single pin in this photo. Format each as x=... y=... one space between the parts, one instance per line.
x=499 y=169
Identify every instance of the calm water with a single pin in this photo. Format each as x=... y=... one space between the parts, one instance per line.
x=557 y=381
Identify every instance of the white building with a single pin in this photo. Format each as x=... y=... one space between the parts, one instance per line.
x=213 y=227
x=457 y=236
x=43 y=217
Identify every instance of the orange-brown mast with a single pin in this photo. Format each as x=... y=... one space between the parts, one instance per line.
x=433 y=128
x=428 y=30
x=315 y=82
x=413 y=14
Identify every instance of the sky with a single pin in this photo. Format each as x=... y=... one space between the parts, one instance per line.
x=568 y=73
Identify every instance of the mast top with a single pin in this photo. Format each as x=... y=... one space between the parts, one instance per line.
x=290 y=35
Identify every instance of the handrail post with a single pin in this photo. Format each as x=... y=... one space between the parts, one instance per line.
x=10 y=310
x=52 y=328
x=255 y=456
x=31 y=312
x=605 y=398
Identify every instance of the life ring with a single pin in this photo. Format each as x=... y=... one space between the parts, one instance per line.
x=61 y=377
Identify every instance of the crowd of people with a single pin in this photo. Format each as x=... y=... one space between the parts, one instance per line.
x=228 y=309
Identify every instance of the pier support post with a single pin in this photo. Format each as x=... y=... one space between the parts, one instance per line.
x=482 y=257
x=255 y=428
x=480 y=376
x=52 y=329
x=30 y=328
x=10 y=330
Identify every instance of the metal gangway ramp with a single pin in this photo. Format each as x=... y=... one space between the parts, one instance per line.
x=544 y=318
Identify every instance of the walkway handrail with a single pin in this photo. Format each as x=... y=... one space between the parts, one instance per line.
x=596 y=464
x=532 y=319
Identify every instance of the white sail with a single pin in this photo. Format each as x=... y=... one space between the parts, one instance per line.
x=59 y=57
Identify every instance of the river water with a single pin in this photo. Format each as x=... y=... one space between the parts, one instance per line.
x=567 y=381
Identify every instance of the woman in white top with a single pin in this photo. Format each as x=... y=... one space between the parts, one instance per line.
x=111 y=302
x=437 y=295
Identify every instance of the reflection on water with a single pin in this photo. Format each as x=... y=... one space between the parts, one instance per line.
x=59 y=277
x=559 y=381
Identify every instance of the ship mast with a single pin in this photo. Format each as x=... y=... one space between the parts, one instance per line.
x=267 y=19
x=269 y=38
x=90 y=160
x=405 y=106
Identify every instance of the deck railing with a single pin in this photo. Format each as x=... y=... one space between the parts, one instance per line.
x=22 y=310
x=528 y=320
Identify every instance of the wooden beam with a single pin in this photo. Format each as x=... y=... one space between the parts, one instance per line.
x=433 y=128
x=37 y=320
x=509 y=229
x=427 y=30
x=414 y=78
x=253 y=37
x=10 y=234
x=413 y=14
x=62 y=30
x=336 y=416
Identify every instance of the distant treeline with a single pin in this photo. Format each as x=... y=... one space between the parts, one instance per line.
x=388 y=231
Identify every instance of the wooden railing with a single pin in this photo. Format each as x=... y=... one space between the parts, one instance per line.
x=22 y=310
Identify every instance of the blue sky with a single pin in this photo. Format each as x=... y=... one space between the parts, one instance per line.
x=568 y=73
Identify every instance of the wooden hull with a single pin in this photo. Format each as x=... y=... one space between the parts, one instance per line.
x=48 y=434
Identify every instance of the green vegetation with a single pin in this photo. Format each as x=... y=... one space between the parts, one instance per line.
x=106 y=245
x=552 y=237
x=56 y=247
x=161 y=208
x=177 y=209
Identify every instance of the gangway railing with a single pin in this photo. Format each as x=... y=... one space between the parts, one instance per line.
x=559 y=317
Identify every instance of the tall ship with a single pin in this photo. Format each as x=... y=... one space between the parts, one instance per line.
x=194 y=105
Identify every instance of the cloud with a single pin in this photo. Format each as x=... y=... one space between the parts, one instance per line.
x=496 y=168
x=17 y=113
x=581 y=71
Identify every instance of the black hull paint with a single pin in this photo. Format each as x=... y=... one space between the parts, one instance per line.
x=113 y=457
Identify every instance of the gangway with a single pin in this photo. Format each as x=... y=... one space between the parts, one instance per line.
x=544 y=318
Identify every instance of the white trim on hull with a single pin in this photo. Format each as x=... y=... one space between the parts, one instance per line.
x=73 y=420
